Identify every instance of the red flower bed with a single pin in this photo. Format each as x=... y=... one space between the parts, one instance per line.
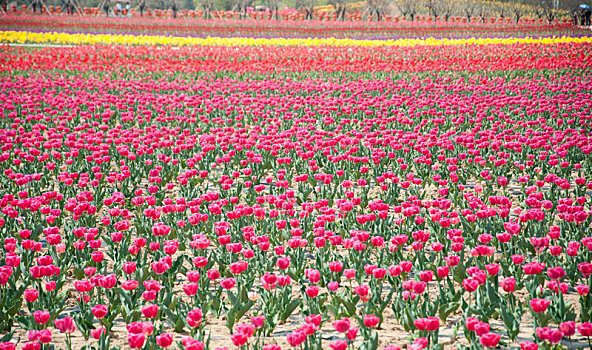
x=279 y=197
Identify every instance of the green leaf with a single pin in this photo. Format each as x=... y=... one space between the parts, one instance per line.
x=179 y=325
x=459 y=273
x=372 y=343
x=387 y=300
x=243 y=310
x=7 y=337
x=445 y=310
x=25 y=322
x=350 y=307
x=79 y=273
x=407 y=321
x=492 y=294
x=15 y=308
x=511 y=323
x=290 y=308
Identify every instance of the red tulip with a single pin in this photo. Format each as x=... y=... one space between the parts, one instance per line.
x=31 y=295
x=529 y=346
x=41 y=317
x=65 y=325
x=470 y=285
x=533 y=268
x=108 y=281
x=585 y=329
x=471 y=322
x=554 y=336
x=492 y=269
x=338 y=345
x=371 y=321
x=213 y=274
x=481 y=328
x=426 y=276
x=508 y=284
x=429 y=323
x=190 y=289
x=44 y=336
x=130 y=285
x=97 y=332
x=490 y=340
x=335 y=266
x=349 y=274
x=31 y=346
x=313 y=275
x=296 y=338
x=164 y=340
x=283 y=263
x=352 y=333
x=379 y=273
x=194 y=318
x=362 y=291
x=443 y=271
x=341 y=326
x=150 y=311
x=312 y=291
x=129 y=267
x=556 y=273
x=314 y=319
x=99 y=311
x=136 y=340
x=539 y=305
x=228 y=283
x=258 y=321
x=239 y=339
x=568 y=328
x=333 y=286
x=583 y=289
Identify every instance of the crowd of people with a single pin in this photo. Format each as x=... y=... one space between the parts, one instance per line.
x=118 y=11
x=582 y=16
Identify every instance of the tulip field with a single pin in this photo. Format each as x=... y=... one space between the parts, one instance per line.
x=489 y=27
x=161 y=191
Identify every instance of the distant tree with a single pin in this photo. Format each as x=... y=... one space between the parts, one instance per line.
x=482 y=10
x=308 y=7
x=433 y=7
x=549 y=9
x=447 y=8
x=376 y=8
x=274 y=6
x=206 y=5
x=241 y=6
x=188 y=5
x=468 y=8
x=518 y=8
x=408 y=8
x=340 y=8
x=501 y=8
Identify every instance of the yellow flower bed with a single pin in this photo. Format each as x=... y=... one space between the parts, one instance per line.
x=23 y=37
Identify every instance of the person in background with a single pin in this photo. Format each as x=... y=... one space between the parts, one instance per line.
x=587 y=16
x=118 y=10
x=574 y=17
x=69 y=8
x=142 y=5
x=127 y=10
